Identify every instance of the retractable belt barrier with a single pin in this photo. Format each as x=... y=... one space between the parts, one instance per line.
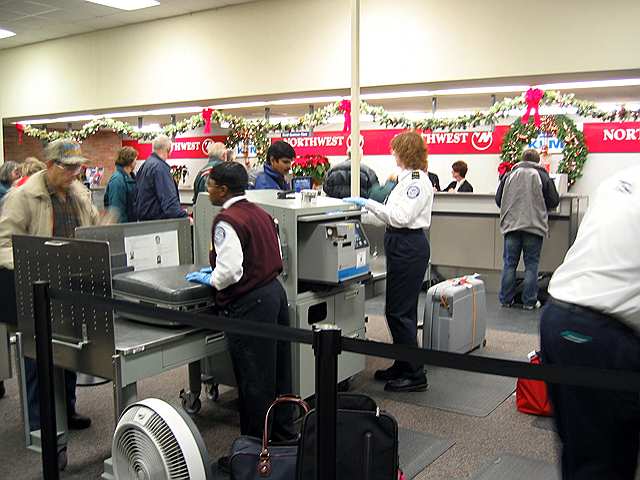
x=327 y=345
x=577 y=376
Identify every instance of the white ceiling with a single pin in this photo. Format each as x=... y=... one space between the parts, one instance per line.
x=38 y=20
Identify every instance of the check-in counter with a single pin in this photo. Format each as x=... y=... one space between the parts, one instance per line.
x=465 y=231
x=465 y=237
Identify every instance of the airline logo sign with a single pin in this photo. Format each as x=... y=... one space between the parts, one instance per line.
x=614 y=137
x=554 y=144
x=376 y=142
x=186 y=147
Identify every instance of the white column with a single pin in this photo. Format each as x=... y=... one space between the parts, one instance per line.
x=355 y=98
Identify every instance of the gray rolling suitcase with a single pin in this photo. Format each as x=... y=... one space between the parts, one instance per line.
x=163 y=287
x=455 y=316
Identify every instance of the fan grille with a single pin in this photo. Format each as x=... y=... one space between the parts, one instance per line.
x=146 y=448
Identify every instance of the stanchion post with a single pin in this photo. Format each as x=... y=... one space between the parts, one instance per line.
x=44 y=360
x=327 y=345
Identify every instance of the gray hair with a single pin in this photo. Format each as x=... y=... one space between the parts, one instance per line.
x=6 y=171
x=216 y=149
x=161 y=142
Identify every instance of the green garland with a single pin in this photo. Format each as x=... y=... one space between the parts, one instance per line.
x=257 y=131
x=560 y=126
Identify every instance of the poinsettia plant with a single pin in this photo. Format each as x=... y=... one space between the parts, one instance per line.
x=315 y=166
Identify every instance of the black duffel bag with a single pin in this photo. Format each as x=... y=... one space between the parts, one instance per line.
x=367 y=442
x=255 y=459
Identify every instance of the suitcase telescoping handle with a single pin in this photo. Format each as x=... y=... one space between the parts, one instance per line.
x=264 y=463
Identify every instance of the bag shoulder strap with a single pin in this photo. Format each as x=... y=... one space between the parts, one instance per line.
x=264 y=463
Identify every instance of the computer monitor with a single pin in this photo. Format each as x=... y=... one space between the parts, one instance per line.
x=301 y=183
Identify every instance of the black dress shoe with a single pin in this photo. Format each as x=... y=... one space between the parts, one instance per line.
x=75 y=421
x=407 y=384
x=390 y=373
x=224 y=464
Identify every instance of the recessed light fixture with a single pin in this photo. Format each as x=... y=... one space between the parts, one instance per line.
x=126 y=4
x=6 y=33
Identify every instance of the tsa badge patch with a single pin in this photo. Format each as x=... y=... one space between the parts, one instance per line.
x=219 y=236
x=413 y=191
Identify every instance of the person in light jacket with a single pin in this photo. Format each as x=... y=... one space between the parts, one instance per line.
x=52 y=203
x=525 y=195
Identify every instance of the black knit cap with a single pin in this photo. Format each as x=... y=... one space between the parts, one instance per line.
x=233 y=175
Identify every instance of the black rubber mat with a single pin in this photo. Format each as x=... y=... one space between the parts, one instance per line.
x=418 y=450
x=512 y=467
x=468 y=393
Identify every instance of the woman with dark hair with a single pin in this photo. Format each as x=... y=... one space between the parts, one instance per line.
x=406 y=213
x=121 y=189
x=460 y=184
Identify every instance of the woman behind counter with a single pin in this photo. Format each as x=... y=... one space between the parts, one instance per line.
x=460 y=184
x=406 y=214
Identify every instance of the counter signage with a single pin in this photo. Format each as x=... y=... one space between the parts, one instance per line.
x=183 y=147
x=376 y=142
x=613 y=137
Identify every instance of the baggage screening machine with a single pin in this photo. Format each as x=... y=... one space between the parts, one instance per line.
x=326 y=257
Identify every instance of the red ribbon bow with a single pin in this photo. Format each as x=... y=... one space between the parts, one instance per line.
x=206 y=115
x=345 y=107
x=533 y=97
x=20 y=129
x=504 y=167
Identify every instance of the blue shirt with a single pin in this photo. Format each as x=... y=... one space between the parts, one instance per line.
x=271 y=180
x=158 y=196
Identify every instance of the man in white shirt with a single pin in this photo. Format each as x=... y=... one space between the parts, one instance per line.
x=593 y=320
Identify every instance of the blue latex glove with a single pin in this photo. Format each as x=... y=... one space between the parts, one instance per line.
x=359 y=201
x=206 y=270
x=199 y=277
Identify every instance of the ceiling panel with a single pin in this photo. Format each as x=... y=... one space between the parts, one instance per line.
x=38 y=20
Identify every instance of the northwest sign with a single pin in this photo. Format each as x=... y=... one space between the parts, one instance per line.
x=614 y=137
x=183 y=147
x=377 y=142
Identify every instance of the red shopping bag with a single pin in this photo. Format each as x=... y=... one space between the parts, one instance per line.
x=531 y=395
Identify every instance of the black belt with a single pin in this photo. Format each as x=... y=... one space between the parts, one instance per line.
x=403 y=230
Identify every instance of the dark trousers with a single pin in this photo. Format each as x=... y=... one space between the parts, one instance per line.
x=598 y=428
x=262 y=367
x=33 y=401
x=529 y=245
x=407 y=255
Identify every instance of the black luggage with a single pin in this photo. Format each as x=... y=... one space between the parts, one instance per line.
x=367 y=442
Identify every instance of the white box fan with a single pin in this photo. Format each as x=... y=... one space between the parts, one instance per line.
x=154 y=441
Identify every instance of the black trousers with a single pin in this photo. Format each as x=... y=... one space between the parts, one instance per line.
x=262 y=367
x=407 y=253
x=598 y=428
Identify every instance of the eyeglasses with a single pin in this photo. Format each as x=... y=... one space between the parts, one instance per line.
x=69 y=169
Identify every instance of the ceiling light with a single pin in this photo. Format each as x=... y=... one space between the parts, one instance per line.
x=6 y=33
x=126 y=4
x=625 y=82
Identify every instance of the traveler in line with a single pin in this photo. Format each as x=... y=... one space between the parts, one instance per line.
x=217 y=153
x=9 y=173
x=121 y=189
x=279 y=158
x=158 y=197
x=525 y=195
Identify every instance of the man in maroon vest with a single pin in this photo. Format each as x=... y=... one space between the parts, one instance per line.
x=245 y=263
